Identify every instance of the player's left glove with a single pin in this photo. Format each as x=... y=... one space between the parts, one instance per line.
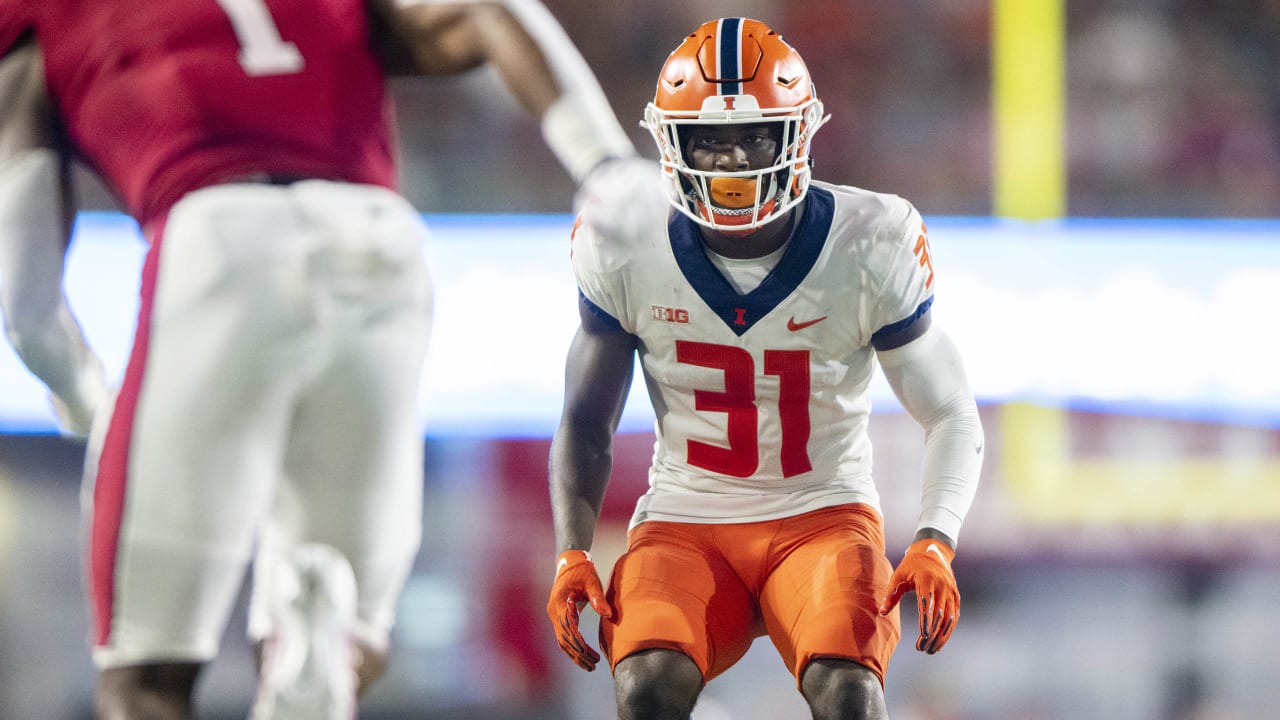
x=926 y=569
x=577 y=583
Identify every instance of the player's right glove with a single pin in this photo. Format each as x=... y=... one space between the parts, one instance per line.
x=926 y=569
x=577 y=583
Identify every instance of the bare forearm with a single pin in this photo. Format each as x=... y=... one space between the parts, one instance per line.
x=524 y=53
x=537 y=61
x=443 y=38
x=580 y=470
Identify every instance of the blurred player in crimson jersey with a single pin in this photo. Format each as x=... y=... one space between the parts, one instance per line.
x=268 y=404
x=758 y=311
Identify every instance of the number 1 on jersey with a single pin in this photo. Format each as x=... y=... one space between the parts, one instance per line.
x=262 y=50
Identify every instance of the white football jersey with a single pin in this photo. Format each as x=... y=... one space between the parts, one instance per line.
x=761 y=398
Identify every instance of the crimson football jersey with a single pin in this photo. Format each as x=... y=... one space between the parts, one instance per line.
x=163 y=98
x=14 y=22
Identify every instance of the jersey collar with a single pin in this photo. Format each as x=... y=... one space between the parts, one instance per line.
x=741 y=312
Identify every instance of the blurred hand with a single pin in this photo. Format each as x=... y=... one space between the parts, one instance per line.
x=577 y=583
x=623 y=197
x=926 y=570
x=76 y=410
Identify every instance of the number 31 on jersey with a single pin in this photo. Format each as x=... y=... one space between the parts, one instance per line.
x=738 y=402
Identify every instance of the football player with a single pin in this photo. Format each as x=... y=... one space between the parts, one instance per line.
x=758 y=312
x=268 y=404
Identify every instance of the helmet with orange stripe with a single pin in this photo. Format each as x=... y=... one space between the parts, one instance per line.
x=735 y=71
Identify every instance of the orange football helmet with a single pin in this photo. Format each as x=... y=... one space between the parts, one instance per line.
x=735 y=71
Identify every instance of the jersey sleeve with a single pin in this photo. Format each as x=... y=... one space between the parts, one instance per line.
x=596 y=270
x=906 y=283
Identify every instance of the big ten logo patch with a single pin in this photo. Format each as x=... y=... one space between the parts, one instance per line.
x=922 y=254
x=670 y=315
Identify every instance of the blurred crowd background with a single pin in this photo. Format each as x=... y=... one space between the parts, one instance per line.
x=1173 y=106
x=1173 y=111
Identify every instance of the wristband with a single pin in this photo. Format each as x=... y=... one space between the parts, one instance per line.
x=582 y=132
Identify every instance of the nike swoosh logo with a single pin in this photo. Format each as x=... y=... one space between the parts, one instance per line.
x=793 y=326
x=564 y=562
x=936 y=551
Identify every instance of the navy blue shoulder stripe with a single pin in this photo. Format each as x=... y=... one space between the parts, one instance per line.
x=902 y=325
x=599 y=312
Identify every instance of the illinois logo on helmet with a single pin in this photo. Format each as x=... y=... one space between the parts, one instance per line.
x=735 y=71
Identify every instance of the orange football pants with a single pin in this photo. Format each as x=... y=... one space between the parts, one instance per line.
x=812 y=583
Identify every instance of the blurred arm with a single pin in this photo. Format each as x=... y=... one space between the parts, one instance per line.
x=537 y=61
x=597 y=380
x=35 y=227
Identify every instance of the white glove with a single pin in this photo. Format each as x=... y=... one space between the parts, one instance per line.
x=624 y=197
x=76 y=411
